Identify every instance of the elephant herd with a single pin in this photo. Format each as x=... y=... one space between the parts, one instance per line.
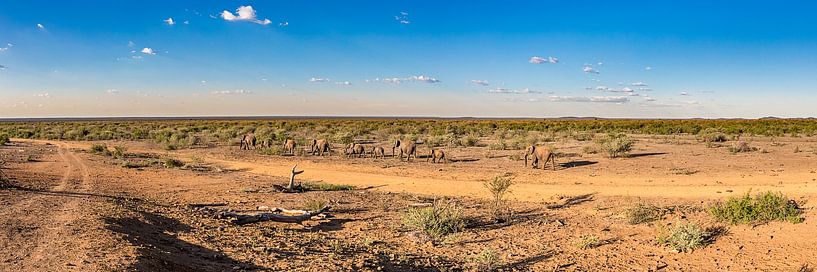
x=539 y=155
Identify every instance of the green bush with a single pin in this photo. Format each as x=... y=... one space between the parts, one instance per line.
x=173 y=163
x=588 y=242
x=684 y=237
x=4 y=139
x=328 y=187
x=741 y=147
x=712 y=135
x=764 y=207
x=499 y=187
x=441 y=219
x=615 y=145
x=314 y=205
x=119 y=151
x=101 y=149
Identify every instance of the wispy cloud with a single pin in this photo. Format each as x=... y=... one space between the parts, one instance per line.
x=148 y=51
x=169 y=21
x=684 y=93
x=2 y=67
x=43 y=95
x=513 y=91
x=40 y=27
x=231 y=92
x=590 y=70
x=590 y=99
x=112 y=91
x=402 y=18
x=347 y=83
x=318 y=79
x=397 y=80
x=540 y=60
x=283 y=24
x=603 y=88
x=244 y=13
x=6 y=48
x=648 y=68
x=480 y=82
x=639 y=84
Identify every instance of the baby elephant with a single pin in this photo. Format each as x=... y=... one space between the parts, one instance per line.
x=289 y=146
x=378 y=151
x=541 y=155
x=355 y=149
x=437 y=155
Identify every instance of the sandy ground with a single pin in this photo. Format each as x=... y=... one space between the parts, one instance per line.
x=66 y=209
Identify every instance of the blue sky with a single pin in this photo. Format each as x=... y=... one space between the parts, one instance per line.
x=409 y=58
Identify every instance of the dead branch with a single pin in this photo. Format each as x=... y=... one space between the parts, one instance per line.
x=277 y=215
x=292 y=177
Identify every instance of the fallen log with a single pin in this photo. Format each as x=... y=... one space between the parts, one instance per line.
x=277 y=215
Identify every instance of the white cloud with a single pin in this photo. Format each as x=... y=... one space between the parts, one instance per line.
x=648 y=68
x=112 y=91
x=131 y=44
x=397 y=80
x=590 y=99
x=639 y=84
x=186 y=22
x=283 y=24
x=590 y=70
x=169 y=21
x=603 y=88
x=318 y=79
x=540 y=60
x=2 y=67
x=230 y=92
x=424 y=79
x=513 y=91
x=148 y=51
x=684 y=93
x=347 y=83
x=643 y=89
x=623 y=90
x=43 y=95
x=6 y=48
x=40 y=27
x=650 y=99
x=480 y=82
x=244 y=13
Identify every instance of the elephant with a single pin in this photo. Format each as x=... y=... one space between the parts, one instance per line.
x=378 y=151
x=437 y=155
x=289 y=146
x=355 y=149
x=409 y=149
x=319 y=146
x=247 y=141
x=541 y=155
x=266 y=143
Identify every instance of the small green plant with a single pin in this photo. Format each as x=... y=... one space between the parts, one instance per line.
x=314 y=205
x=684 y=237
x=173 y=163
x=764 y=207
x=587 y=242
x=712 y=135
x=589 y=150
x=328 y=187
x=487 y=260
x=442 y=218
x=499 y=187
x=470 y=140
x=615 y=145
x=643 y=213
x=170 y=146
x=683 y=171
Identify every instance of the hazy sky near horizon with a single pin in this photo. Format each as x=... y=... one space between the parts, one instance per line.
x=672 y=59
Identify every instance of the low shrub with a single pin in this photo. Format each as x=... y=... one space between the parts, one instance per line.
x=487 y=260
x=499 y=187
x=712 y=135
x=119 y=151
x=101 y=149
x=172 y=163
x=764 y=207
x=615 y=145
x=328 y=187
x=442 y=218
x=741 y=147
x=684 y=237
x=4 y=139
x=643 y=213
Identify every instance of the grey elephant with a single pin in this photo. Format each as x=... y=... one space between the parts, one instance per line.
x=355 y=149
x=541 y=155
x=289 y=146
x=319 y=146
x=248 y=140
x=409 y=148
x=378 y=151
x=437 y=155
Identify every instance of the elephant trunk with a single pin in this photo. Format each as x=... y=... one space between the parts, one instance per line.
x=526 y=159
